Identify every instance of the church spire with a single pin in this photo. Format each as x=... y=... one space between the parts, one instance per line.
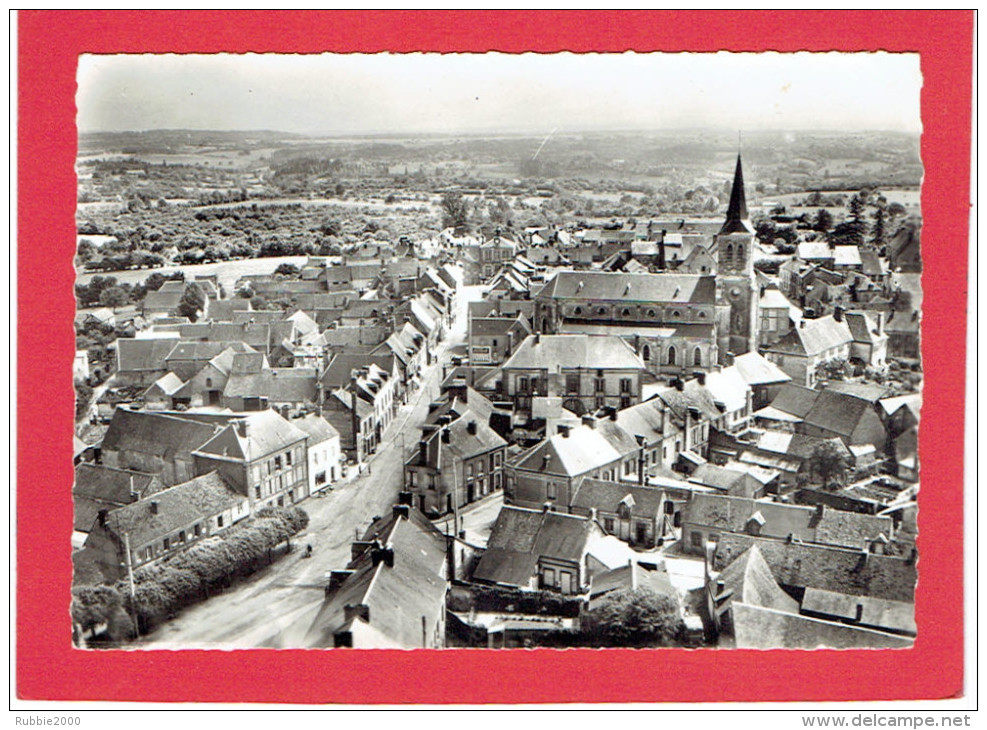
x=737 y=217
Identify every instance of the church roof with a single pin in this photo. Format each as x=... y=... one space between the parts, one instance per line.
x=738 y=219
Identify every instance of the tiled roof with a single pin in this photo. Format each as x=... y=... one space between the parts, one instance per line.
x=101 y=487
x=756 y=627
x=795 y=399
x=143 y=355
x=153 y=433
x=748 y=580
x=631 y=287
x=178 y=507
x=836 y=412
x=834 y=569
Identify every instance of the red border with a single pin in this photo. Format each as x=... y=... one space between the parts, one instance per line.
x=47 y=666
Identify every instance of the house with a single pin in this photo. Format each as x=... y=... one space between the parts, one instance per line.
x=639 y=515
x=365 y=377
x=854 y=420
x=160 y=396
x=552 y=470
x=587 y=372
x=392 y=593
x=631 y=577
x=811 y=343
x=870 y=341
x=164 y=302
x=205 y=387
x=162 y=524
x=797 y=566
x=457 y=462
x=354 y=421
x=324 y=452
x=903 y=330
x=904 y=249
x=764 y=377
x=492 y=340
x=789 y=406
x=271 y=387
x=790 y=454
x=153 y=443
x=263 y=456
x=776 y=315
x=80 y=366
x=407 y=345
x=739 y=480
x=540 y=550
x=141 y=362
x=757 y=627
x=99 y=488
x=707 y=517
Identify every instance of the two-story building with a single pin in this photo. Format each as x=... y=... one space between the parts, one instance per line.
x=263 y=456
x=811 y=343
x=587 y=372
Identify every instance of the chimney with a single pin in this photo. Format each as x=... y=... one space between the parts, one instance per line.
x=613 y=413
x=546 y=508
x=880 y=323
x=354 y=418
x=423 y=451
x=589 y=420
x=661 y=251
x=358 y=611
x=537 y=337
x=510 y=343
x=446 y=435
x=358 y=548
x=379 y=554
x=154 y=506
x=241 y=427
x=336 y=578
x=471 y=428
x=564 y=430
x=802 y=324
x=133 y=492
x=700 y=376
x=101 y=517
x=679 y=385
x=401 y=510
x=406 y=497
x=838 y=313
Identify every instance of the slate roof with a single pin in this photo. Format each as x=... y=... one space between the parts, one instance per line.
x=278 y=385
x=814 y=251
x=631 y=577
x=101 y=487
x=873 y=264
x=693 y=395
x=318 y=429
x=863 y=326
x=876 y=612
x=846 y=256
x=221 y=310
x=871 y=392
x=520 y=537
x=584 y=450
x=178 y=507
x=728 y=386
x=153 y=433
x=813 y=337
x=570 y=351
x=631 y=287
x=397 y=596
x=168 y=384
x=607 y=495
x=267 y=432
x=755 y=369
x=852 y=572
x=142 y=355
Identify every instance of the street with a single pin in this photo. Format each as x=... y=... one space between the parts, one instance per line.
x=263 y=605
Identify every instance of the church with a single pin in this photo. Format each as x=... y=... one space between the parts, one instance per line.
x=676 y=322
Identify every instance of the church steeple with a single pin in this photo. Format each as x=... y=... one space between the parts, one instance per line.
x=738 y=220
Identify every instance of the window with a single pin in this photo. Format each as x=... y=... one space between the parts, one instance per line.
x=320 y=478
x=671 y=355
x=197 y=530
x=552 y=490
x=600 y=401
x=495 y=342
x=181 y=536
x=702 y=315
x=646 y=353
x=257 y=491
x=652 y=314
x=572 y=383
x=208 y=382
x=548 y=578
x=728 y=259
x=625 y=312
x=277 y=463
x=625 y=385
x=219 y=521
x=522 y=384
x=740 y=253
x=287 y=458
x=431 y=481
x=413 y=478
x=600 y=385
x=167 y=543
x=697 y=539
x=577 y=311
x=608 y=524
x=697 y=357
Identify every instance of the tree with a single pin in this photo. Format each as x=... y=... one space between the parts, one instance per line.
x=901 y=301
x=193 y=301
x=833 y=369
x=288 y=270
x=829 y=463
x=878 y=230
x=641 y=617
x=848 y=233
x=856 y=207
x=113 y=296
x=823 y=221
x=83 y=397
x=455 y=212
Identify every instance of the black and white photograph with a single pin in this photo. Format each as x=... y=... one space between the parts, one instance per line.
x=505 y=351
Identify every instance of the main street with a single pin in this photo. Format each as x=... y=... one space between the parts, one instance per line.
x=254 y=611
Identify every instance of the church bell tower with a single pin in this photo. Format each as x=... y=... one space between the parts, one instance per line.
x=735 y=290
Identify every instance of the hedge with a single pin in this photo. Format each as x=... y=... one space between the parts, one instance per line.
x=162 y=590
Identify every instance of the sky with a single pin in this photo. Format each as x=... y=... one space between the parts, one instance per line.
x=336 y=94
